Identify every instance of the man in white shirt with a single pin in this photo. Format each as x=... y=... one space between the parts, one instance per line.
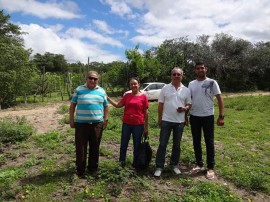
x=174 y=100
x=203 y=90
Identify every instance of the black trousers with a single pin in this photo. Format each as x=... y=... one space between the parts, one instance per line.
x=87 y=135
x=205 y=124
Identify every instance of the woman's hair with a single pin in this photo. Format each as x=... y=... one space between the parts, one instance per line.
x=134 y=78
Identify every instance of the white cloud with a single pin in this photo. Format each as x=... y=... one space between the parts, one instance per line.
x=61 y=10
x=94 y=36
x=103 y=26
x=167 y=19
x=43 y=40
x=118 y=7
x=130 y=22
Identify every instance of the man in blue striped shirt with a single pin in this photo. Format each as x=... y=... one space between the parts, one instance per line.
x=91 y=119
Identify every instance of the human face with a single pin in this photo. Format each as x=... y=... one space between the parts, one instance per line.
x=201 y=72
x=176 y=75
x=91 y=80
x=134 y=85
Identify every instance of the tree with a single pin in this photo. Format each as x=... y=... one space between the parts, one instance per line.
x=14 y=62
x=135 y=64
x=231 y=64
x=260 y=63
x=51 y=62
x=117 y=76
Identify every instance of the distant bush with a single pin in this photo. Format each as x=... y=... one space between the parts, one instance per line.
x=14 y=129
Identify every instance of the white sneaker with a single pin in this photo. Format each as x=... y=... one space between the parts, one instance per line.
x=176 y=170
x=158 y=172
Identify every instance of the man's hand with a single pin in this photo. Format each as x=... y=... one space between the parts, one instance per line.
x=220 y=122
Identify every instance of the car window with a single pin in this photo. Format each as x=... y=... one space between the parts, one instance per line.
x=160 y=86
x=152 y=87
x=143 y=86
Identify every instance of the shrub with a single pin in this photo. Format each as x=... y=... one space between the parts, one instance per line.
x=14 y=129
x=63 y=109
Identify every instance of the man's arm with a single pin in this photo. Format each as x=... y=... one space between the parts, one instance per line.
x=220 y=121
x=160 y=112
x=187 y=107
x=72 y=108
x=106 y=116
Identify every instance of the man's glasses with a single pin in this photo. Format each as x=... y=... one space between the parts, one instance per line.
x=92 y=78
x=176 y=74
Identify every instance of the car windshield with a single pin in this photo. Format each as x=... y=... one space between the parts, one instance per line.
x=143 y=86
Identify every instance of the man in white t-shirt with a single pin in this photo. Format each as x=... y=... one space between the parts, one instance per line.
x=203 y=90
x=174 y=100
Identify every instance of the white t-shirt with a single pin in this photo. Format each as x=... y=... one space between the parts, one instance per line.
x=202 y=95
x=173 y=99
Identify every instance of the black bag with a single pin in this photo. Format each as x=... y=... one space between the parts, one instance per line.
x=143 y=159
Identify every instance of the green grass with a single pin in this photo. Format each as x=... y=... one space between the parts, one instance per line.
x=42 y=167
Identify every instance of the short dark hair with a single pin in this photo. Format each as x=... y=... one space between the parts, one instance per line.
x=134 y=78
x=199 y=63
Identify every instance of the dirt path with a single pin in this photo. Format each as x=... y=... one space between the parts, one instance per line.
x=43 y=118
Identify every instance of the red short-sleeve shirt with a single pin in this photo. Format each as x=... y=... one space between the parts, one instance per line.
x=134 y=108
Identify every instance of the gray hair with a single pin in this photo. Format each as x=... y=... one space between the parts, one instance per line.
x=178 y=68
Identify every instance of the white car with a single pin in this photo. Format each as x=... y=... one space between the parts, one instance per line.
x=151 y=89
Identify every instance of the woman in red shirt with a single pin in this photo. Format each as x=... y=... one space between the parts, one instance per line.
x=135 y=118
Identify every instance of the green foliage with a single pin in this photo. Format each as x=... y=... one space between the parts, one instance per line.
x=205 y=191
x=13 y=130
x=246 y=134
x=15 y=69
x=7 y=177
x=112 y=172
x=63 y=109
x=135 y=63
x=51 y=62
x=49 y=140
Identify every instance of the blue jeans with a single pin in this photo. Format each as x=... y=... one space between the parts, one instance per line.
x=127 y=130
x=206 y=124
x=165 y=131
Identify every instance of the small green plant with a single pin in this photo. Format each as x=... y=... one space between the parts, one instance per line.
x=13 y=129
x=206 y=191
x=63 y=109
x=112 y=172
x=49 y=140
x=64 y=120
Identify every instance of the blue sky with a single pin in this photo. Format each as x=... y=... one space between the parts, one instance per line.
x=103 y=29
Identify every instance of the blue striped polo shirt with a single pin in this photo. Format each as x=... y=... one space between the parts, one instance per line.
x=90 y=104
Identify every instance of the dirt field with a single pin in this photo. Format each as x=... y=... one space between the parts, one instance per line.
x=43 y=118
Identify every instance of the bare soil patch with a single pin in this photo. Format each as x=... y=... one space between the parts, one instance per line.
x=43 y=118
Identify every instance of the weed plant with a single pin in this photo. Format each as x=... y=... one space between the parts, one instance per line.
x=14 y=129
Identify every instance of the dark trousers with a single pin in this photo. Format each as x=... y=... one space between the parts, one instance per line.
x=87 y=134
x=127 y=130
x=207 y=125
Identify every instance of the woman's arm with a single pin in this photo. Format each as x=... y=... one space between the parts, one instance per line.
x=146 y=120
x=114 y=103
